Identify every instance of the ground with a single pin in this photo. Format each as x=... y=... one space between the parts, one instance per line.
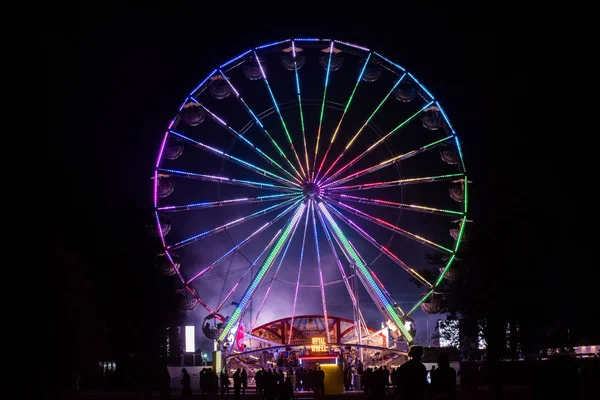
x=484 y=393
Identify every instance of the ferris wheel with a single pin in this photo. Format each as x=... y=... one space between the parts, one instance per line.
x=317 y=167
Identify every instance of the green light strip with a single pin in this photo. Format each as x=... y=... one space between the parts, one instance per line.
x=366 y=274
x=322 y=110
x=456 y=246
x=261 y=273
x=397 y=128
x=351 y=97
x=374 y=112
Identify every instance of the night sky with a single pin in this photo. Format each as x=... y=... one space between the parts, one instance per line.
x=118 y=77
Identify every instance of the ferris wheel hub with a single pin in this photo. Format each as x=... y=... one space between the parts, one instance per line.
x=311 y=189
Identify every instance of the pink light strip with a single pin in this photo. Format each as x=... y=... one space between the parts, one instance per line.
x=379 y=247
x=287 y=246
x=242 y=243
x=298 y=280
x=228 y=296
x=391 y=227
x=320 y=267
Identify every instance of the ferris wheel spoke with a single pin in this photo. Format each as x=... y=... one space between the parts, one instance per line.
x=336 y=257
x=337 y=128
x=398 y=182
x=283 y=254
x=297 y=78
x=388 y=162
x=394 y=204
x=170 y=257
x=231 y=224
x=391 y=227
x=230 y=202
x=380 y=247
x=373 y=288
x=236 y=160
x=324 y=178
x=359 y=316
x=229 y=181
x=262 y=127
x=298 y=280
x=320 y=268
x=322 y=110
x=248 y=270
x=242 y=243
x=198 y=298
x=259 y=277
x=377 y=143
x=276 y=105
x=245 y=140
x=378 y=281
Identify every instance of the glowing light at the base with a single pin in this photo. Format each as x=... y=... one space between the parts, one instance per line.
x=389 y=308
x=261 y=273
x=318 y=345
x=190 y=339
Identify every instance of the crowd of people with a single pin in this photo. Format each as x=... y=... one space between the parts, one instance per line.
x=408 y=382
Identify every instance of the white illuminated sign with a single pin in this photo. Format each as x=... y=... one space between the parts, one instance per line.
x=190 y=339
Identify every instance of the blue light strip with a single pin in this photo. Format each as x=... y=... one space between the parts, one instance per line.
x=460 y=153
x=264 y=46
x=239 y=161
x=390 y=61
x=276 y=105
x=235 y=59
x=245 y=140
x=420 y=85
x=202 y=83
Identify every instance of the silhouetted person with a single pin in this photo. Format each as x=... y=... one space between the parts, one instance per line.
x=412 y=376
x=320 y=381
x=288 y=389
x=224 y=382
x=237 y=384
x=443 y=379
x=244 y=376
x=165 y=385
x=186 y=384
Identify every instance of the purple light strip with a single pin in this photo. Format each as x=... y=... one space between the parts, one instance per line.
x=230 y=224
x=352 y=45
x=249 y=269
x=320 y=268
x=338 y=261
x=242 y=243
x=230 y=181
x=237 y=160
x=242 y=138
x=298 y=280
x=287 y=246
x=221 y=203
x=379 y=247
x=263 y=129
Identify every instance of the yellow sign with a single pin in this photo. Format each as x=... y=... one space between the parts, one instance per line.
x=319 y=345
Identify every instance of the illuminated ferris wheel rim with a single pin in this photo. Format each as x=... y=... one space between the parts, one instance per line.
x=313 y=189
